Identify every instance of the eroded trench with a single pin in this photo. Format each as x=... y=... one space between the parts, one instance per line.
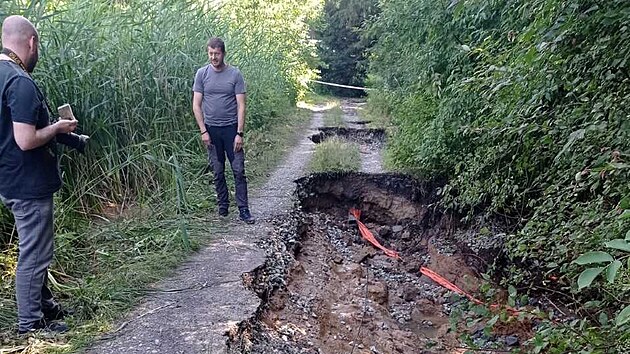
x=363 y=136
x=324 y=289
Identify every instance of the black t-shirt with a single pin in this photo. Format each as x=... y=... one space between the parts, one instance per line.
x=31 y=174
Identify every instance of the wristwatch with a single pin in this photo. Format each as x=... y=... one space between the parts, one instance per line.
x=239 y=134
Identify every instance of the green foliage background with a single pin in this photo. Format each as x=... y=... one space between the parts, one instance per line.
x=342 y=48
x=523 y=106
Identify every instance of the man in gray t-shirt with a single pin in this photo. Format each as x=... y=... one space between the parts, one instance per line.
x=219 y=108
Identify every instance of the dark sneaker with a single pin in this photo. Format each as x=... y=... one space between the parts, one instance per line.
x=246 y=216
x=56 y=313
x=52 y=327
x=223 y=212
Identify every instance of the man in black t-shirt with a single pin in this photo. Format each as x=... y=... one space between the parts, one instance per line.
x=29 y=174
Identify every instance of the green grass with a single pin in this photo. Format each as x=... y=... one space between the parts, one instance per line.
x=127 y=70
x=335 y=155
x=329 y=105
x=312 y=98
x=334 y=116
x=111 y=265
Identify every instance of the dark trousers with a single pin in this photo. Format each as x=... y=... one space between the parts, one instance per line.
x=34 y=223
x=222 y=145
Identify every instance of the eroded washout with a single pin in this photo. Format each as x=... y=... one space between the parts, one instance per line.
x=325 y=289
x=374 y=137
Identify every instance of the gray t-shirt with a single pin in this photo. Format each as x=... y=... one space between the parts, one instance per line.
x=219 y=91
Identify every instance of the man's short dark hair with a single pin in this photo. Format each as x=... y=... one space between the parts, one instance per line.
x=216 y=42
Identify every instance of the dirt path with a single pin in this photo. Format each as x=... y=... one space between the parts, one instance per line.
x=371 y=159
x=351 y=118
x=206 y=296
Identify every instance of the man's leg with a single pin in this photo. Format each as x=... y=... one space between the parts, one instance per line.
x=51 y=308
x=34 y=222
x=237 y=162
x=48 y=302
x=216 y=154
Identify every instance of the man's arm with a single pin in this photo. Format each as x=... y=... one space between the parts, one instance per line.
x=197 y=99
x=24 y=104
x=28 y=137
x=240 y=104
x=198 y=112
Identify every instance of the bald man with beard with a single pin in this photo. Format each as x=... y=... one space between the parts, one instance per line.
x=29 y=173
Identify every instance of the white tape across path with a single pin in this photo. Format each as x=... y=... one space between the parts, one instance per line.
x=344 y=86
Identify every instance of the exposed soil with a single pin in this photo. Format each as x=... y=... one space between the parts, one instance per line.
x=326 y=290
x=359 y=122
x=372 y=137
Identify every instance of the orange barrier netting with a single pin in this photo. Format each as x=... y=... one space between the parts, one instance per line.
x=367 y=234
x=450 y=286
x=447 y=284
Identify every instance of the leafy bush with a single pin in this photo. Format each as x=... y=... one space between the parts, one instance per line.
x=523 y=107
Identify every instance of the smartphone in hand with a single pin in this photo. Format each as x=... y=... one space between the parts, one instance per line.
x=65 y=112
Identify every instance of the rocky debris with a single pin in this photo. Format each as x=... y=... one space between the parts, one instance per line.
x=385 y=231
x=410 y=292
x=364 y=253
x=378 y=292
x=444 y=246
x=511 y=341
x=327 y=290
